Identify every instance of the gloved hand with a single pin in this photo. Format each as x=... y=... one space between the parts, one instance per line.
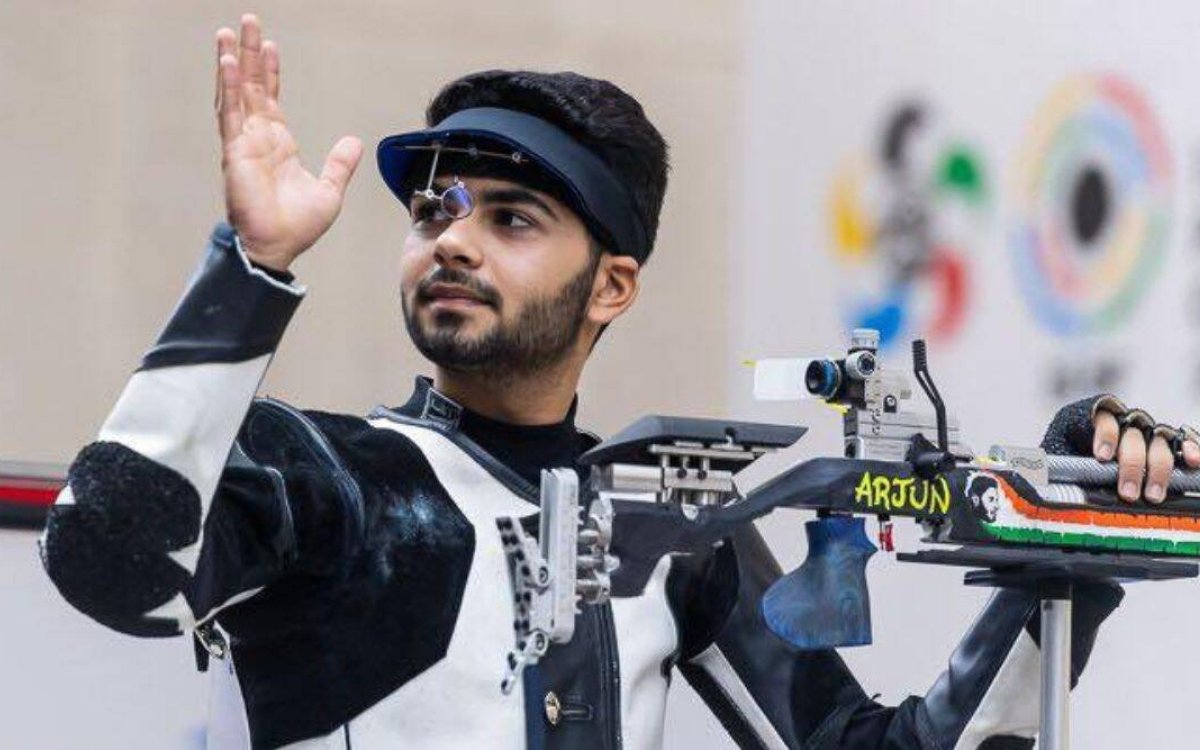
x=1145 y=450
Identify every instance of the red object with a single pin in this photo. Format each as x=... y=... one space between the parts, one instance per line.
x=949 y=274
x=27 y=491
x=886 y=543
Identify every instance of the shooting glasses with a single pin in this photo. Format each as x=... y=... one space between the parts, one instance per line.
x=456 y=201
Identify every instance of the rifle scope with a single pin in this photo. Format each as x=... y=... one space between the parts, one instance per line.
x=824 y=377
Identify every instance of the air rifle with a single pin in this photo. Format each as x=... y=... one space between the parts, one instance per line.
x=670 y=485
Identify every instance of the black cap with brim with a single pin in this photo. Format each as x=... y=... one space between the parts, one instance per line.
x=592 y=190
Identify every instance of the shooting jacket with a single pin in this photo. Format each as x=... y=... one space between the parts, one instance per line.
x=354 y=570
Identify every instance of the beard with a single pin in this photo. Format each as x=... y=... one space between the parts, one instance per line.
x=539 y=336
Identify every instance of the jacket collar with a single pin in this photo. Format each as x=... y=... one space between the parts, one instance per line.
x=428 y=404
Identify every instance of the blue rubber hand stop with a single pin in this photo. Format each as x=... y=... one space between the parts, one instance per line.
x=824 y=602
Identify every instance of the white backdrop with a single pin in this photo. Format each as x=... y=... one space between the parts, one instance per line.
x=1017 y=122
x=822 y=79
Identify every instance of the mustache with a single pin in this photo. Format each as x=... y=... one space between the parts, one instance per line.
x=453 y=276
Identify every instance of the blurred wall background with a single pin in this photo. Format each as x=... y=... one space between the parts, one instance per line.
x=1014 y=181
x=112 y=182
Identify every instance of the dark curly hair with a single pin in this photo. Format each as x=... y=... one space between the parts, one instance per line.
x=596 y=113
x=979 y=484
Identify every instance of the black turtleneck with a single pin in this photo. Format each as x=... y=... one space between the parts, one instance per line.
x=525 y=449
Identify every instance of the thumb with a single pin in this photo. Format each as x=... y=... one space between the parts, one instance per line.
x=340 y=164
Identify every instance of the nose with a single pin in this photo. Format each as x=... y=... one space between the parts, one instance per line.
x=456 y=247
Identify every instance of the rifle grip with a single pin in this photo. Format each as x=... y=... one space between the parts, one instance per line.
x=824 y=603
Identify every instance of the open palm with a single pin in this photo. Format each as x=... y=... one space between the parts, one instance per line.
x=278 y=208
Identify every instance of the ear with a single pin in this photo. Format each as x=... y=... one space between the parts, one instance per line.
x=615 y=288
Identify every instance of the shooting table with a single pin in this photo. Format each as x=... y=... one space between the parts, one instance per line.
x=1051 y=574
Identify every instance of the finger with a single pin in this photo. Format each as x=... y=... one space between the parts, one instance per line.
x=1131 y=462
x=1191 y=454
x=340 y=164
x=1160 y=462
x=271 y=62
x=1104 y=444
x=226 y=45
x=229 y=114
x=250 y=63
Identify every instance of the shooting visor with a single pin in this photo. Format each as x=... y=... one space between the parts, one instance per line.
x=580 y=178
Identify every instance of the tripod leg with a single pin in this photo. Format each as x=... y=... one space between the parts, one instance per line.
x=1055 y=730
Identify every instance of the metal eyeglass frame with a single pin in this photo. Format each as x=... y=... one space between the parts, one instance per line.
x=458 y=191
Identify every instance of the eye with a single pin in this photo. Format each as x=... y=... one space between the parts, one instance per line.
x=426 y=212
x=512 y=220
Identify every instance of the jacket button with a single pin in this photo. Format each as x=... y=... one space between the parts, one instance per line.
x=553 y=708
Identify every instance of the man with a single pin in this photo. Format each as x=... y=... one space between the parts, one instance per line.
x=984 y=493
x=348 y=571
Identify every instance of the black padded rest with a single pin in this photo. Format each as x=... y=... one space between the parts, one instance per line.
x=629 y=445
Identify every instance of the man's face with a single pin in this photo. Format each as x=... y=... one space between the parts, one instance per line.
x=502 y=292
x=989 y=503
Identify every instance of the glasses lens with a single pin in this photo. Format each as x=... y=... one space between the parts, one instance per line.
x=456 y=202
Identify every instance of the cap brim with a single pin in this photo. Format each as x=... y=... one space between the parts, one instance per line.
x=591 y=189
x=397 y=155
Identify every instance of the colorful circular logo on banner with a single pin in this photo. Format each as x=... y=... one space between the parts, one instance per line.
x=904 y=220
x=1093 y=205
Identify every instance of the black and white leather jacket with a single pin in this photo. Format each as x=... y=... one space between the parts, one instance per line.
x=354 y=568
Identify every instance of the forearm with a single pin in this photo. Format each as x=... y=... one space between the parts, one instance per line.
x=990 y=689
x=123 y=541
x=770 y=695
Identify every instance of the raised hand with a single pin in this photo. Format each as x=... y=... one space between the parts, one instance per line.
x=278 y=208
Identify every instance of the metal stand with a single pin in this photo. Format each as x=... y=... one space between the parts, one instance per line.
x=1052 y=573
x=1054 y=732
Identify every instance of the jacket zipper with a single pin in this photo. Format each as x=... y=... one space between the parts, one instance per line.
x=610 y=674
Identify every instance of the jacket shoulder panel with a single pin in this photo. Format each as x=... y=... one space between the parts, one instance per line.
x=320 y=647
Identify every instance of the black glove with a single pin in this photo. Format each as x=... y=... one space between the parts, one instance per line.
x=1072 y=431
